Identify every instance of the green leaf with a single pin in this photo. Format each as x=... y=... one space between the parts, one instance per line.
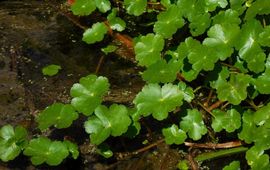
x=187 y=92
x=221 y=39
x=258 y=7
x=103 y=5
x=162 y=72
x=58 y=114
x=228 y=17
x=116 y=23
x=193 y=124
x=234 y=165
x=230 y=120
x=87 y=95
x=212 y=4
x=107 y=121
x=262 y=115
x=43 y=150
x=264 y=37
x=257 y=159
x=83 y=7
x=249 y=128
x=72 y=148
x=199 y=23
x=249 y=47
x=12 y=142
x=235 y=90
x=135 y=7
x=238 y=6
x=174 y=135
x=148 y=49
x=95 y=34
x=196 y=13
x=201 y=57
x=104 y=151
x=262 y=83
x=169 y=21
x=109 y=49
x=158 y=101
x=51 y=70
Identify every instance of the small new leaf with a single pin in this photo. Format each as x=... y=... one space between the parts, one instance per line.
x=51 y=70
x=43 y=150
x=95 y=34
x=72 y=148
x=12 y=142
x=158 y=101
x=193 y=124
x=174 y=135
x=87 y=94
x=58 y=114
x=148 y=49
x=115 y=22
x=107 y=121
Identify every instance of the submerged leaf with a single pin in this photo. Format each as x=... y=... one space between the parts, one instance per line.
x=51 y=70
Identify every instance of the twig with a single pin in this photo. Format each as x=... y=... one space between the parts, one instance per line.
x=215 y=105
x=206 y=109
x=252 y=104
x=206 y=104
x=99 y=64
x=215 y=145
x=147 y=147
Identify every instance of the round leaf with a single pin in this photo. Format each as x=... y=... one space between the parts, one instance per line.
x=95 y=34
x=88 y=93
x=58 y=114
x=135 y=7
x=83 y=7
x=51 y=70
x=174 y=135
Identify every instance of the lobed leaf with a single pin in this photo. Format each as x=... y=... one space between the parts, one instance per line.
x=162 y=72
x=174 y=135
x=169 y=21
x=158 y=101
x=107 y=121
x=230 y=120
x=83 y=7
x=12 y=142
x=51 y=70
x=257 y=159
x=193 y=124
x=87 y=94
x=258 y=8
x=115 y=22
x=234 y=165
x=58 y=114
x=135 y=7
x=95 y=34
x=148 y=49
x=43 y=150
x=103 y=5
x=249 y=128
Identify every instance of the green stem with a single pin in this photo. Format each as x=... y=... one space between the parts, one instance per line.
x=220 y=153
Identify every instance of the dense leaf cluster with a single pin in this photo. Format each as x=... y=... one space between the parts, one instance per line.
x=226 y=50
